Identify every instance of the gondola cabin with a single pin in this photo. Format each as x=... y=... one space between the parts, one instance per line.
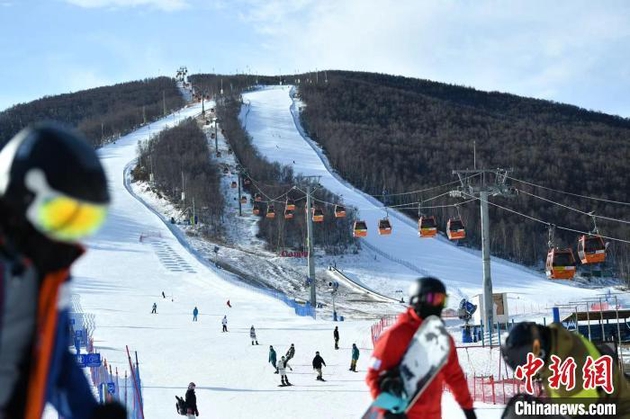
x=290 y=205
x=256 y=209
x=218 y=154
x=247 y=181
x=560 y=264
x=427 y=227
x=455 y=229
x=257 y=197
x=591 y=249
x=318 y=215
x=212 y=135
x=340 y=211
x=226 y=170
x=243 y=199
x=271 y=212
x=230 y=151
x=384 y=227
x=288 y=214
x=359 y=229
x=233 y=185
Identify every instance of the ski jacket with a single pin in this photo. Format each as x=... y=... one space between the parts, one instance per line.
x=282 y=366
x=355 y=352
x=272 y=356
x=388 y=352
x=566 y=344
x=195 y=311
x=191 y=401
x=252 y=333
x=35 y=364
x=224 y=321
x=318 y=361
x=336 y=334
x=290 y=353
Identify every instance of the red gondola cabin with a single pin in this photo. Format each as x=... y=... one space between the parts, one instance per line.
x=560 y=264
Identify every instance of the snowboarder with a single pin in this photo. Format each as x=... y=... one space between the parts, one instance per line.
x=318 y=361
x=195 y=313
x=290 y=353
x=228 y=304
x=282 y=365
x=355 y=358
x=46 y=173
x=252 y=334
x=554 y=340
x=154 y=311
x=224 y=323
x=272 y=358
x=191 y=402
x=427 y=297
x=336 y=336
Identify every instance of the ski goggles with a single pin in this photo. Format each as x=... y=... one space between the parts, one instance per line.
x=61 y=217
x=434 y=299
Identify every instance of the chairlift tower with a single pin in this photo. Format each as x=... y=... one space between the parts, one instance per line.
x=309 y=238
x=481 y=184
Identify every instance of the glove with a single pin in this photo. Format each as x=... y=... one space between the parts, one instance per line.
x=390 y=382
x=470 y=414
x=391 y=415
x=109 y=411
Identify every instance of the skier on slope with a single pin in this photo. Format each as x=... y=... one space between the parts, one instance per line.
x=336 y=337
x=191 y=402
x=427 y=297
x=252 y=335
x=282 y=368
x=195 y=313
x=272 y=358
x=224 y=323
x=53 y=194
x=318 y=361
x=554 y=340
x=355 y=357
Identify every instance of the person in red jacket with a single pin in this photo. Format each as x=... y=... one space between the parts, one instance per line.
x=427 y=297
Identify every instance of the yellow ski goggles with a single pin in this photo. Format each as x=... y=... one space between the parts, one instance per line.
x=61 y=217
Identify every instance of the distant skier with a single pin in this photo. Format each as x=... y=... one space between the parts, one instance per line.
x=224 y=323
x=355 y=358
x=191 y=402
x=290 y=353
x=228 y=304
x=272 y=358
x=163 y=295
x=154 y=311
x=195 y=312
x=252 y=335
x=282 y=365
x=318 y=361
x=336 y=336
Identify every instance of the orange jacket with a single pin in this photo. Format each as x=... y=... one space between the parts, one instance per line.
x=390 y=349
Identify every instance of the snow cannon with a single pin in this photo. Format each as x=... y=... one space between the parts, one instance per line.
x=465 y=312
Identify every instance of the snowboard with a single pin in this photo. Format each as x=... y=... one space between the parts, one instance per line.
x=425 y=356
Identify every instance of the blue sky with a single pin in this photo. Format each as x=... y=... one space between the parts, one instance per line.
x=569 y=51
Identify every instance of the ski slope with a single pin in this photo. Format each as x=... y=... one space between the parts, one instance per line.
x=120 y=277
x=271 y=116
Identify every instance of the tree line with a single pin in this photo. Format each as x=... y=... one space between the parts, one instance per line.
x=400 y=134
x=102 y=114
x=179 y=159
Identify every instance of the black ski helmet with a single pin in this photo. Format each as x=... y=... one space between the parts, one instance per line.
x=427 y=295
x=525 y=337
x=45 y=159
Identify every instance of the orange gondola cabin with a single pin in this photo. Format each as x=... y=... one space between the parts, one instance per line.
x=340 y=211
x=318 y=215
x=455 y=229
x=384 y=227
x=257 y=197
x=233 y=185
x=288 y=214
x=271 y=212
x=243 y=199
x=256 y=209
x=591 y=249
x=290 y=205
x=427 y=227
x=359 y=229
x=560 y=264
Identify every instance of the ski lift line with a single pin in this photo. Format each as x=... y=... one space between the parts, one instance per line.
x=547 y=223
x=610 y=201
x=426 y=189
x=446 y=206
x=573 y=209
x=276 y=199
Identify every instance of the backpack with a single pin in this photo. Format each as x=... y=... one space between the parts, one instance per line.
x=180 y=406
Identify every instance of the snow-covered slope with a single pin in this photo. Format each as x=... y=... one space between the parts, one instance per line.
x=271 y=116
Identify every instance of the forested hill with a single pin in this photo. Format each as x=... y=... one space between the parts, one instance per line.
x=400 y=134
x=101 y=113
